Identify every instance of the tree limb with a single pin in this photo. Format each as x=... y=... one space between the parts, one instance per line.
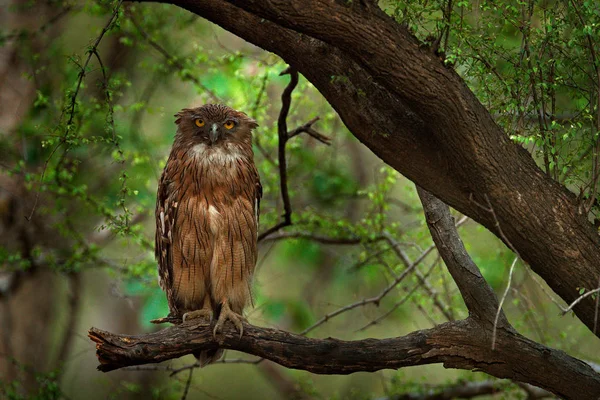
x=462 y=344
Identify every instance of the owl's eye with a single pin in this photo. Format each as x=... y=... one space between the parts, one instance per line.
x=229 y=124
x=199 y=123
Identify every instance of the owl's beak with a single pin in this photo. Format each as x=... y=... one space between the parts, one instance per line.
x=214 y=133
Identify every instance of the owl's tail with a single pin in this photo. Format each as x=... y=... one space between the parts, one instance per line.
x=208 y=356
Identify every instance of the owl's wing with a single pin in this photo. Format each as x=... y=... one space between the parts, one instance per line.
x=166 y=210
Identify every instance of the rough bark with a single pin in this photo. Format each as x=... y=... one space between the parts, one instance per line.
x=463 y=344
x=398 y=98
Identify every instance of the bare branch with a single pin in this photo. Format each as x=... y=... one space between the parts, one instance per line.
x=187 y=385
x=320 y=238
x=577 y=300
x=286 y=100
x=174 y=60
x=403 y=300
x=282 y=133
x=74 y=305
x=504 y=295
x=371 y=300
x=461 y=344
x=307 y=128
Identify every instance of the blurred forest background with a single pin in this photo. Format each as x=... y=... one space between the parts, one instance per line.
x=88 y=90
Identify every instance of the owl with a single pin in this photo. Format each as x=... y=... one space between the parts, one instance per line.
x=207 y=213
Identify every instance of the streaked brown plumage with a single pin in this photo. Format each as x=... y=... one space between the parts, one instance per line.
x=207 y=217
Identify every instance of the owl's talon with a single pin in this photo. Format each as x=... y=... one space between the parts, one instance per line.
x=227 y=314
x=204 y=315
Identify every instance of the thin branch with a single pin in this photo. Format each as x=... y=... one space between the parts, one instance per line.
x=577 y=300
x=371 y=300
x=187 y=384
x=469 y=390
x=307 y=128
x=408 y=295
x=286 y=100
x=74 y=304
x=31 y=34
x=504 y=295
x=174 y=60
x=91 y=51
x=257 y=102
x=282 y=133
x=444 y=309
x=461 y=390
x=319 y=238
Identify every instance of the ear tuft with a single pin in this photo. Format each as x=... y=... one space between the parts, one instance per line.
x=179 y=116
x=252 y=123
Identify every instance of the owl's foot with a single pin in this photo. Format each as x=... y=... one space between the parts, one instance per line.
x=227 y=314
x=204 y=315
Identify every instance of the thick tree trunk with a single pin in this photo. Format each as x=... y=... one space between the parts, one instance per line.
x=419 y=116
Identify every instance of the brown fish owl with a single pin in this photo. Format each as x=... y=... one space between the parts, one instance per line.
x=207 y=217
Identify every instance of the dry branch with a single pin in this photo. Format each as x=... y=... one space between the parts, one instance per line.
x=462 y=344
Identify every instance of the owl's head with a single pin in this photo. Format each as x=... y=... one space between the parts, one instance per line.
x=212 y=124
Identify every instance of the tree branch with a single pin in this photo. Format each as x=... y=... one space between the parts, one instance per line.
x=480 y=299
x=462 y=344
x=282 y=132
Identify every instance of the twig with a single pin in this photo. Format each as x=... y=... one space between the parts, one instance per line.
x=174 y=60
x=307 y=128
x=30 y=34
x=546 y=292
x=286 y=100
x=262 y=90
x=319 y=238
x=74 y=302
x=371 y=300
x=444 y=309
x=115 y=141
x=187 y=384
x=398 y=304
x=91 y=51
x=577 y=300
x=490 y=209
x=460 y=390
x=499 y=310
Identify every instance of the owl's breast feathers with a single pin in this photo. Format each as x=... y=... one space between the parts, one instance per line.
x=206 y=220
